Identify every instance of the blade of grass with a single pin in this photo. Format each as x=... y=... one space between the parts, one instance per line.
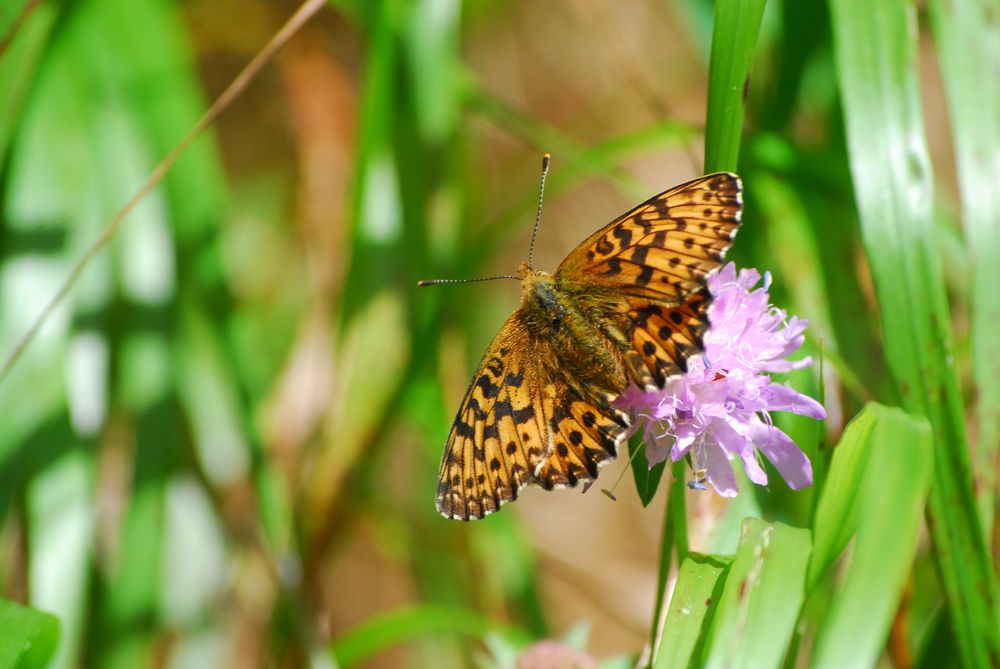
x=761 y=599
x=29 y=637
x=61 y=515
x=889 y=506
x=13 y=18
x=674 y=536
x=876 y=65
x=837 y=509
x=19 y=60
x=301 y=16
x=691 y=607
x=734 y=40
x=968 y=49
x=381 y=632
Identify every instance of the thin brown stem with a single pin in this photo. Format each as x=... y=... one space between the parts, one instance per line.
x=29 y=7
x=237 y=86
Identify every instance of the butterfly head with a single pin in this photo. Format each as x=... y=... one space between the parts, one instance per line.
x=524 y=272
x=540 y=300
x=532 y=279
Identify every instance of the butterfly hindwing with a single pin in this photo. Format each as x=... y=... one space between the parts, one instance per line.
x=497 y=439
x=517 y=415
x=665 y=337
x=585 y=434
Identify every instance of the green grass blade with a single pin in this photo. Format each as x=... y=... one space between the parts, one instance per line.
x=673 y=536
x=19 y=66
x=761 y=599
x=60 y=511
x=968 y=48
x=389 y=629
x=432 y=38
x=692 y=605
x=837 y=509
x=888 y=510
x=876 y=64
x=734 y=40
x=29 y=637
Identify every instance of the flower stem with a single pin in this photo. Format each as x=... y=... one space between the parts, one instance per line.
x=674 y=537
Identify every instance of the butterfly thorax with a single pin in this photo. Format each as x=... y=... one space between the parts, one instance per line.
x=567 y=324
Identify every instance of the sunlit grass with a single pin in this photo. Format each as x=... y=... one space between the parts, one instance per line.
x=221 y=449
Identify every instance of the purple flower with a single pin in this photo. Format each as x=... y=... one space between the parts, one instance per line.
x=554 y=655
x=719 y=410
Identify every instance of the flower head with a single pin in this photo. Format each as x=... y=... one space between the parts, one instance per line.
x=550 y=654
x=720 y=409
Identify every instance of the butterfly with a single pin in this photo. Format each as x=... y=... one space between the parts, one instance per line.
x=627 y=306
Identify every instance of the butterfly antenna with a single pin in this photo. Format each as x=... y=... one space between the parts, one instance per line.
x=546 y=158
x=434 y=282
x=538 y=215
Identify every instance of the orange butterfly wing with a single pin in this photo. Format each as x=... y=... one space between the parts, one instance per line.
x=665 y=248
x=517 y=411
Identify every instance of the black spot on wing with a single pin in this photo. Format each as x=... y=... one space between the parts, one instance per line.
x=495 y=365
x=490 y=389
x=624 y=236
x=643 y=314
x=520 y=416
x=639 y=254
x=645 y=276
x=514 y=380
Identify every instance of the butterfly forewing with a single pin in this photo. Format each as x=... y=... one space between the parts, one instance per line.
x=665 y=248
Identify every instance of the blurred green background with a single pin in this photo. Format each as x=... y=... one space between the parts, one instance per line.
x=221 y=449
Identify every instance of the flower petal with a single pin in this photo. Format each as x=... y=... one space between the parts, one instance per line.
x=727 y=437
x=784 y=398
x=718 y=471
x=735 y=443
x=656 y=446
x=787 y=458
x=753 y=469
x=680 y=447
